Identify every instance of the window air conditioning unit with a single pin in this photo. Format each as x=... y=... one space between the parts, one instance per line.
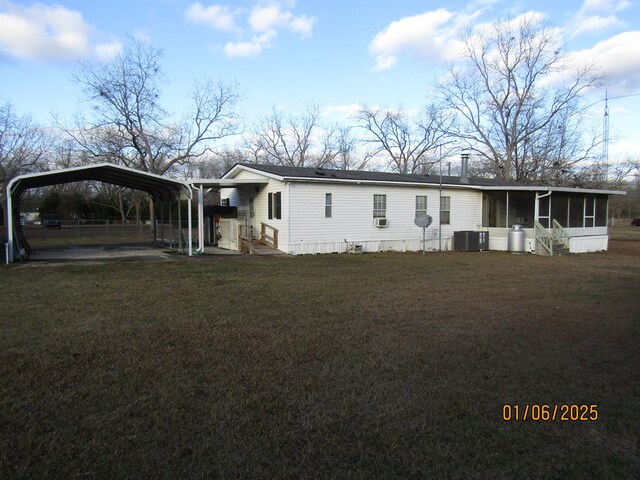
x=381 y=222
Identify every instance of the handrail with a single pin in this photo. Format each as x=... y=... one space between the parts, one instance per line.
x=246 y=237
x=271 y=239
x=559 y=233
x=543 y=237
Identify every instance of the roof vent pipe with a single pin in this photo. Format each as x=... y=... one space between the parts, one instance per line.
x=464 y=170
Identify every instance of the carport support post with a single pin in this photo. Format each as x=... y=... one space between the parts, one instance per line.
x=189 y=233
x=180 y=244
x=162 y=221
x=154 y=224
x=171 y=232
x=200 y=219
x=9 y=258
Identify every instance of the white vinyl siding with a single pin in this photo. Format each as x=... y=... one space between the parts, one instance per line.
x=310 y=233
x=261 y=203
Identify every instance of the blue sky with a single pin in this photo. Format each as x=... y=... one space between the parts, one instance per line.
x=336 y=54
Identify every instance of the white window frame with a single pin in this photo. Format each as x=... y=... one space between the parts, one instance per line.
x=379 y=205
x=421 y=205
x=275 y=206
x=328 y=205
x=445 y=208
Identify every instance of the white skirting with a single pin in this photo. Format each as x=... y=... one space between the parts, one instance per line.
x=583 y=244
x=365 y=246
x=579 y=244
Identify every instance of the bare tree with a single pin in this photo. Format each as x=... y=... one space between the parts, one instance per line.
x=23 y=147
x=129 y=125
x=516 y=99
x=553 y=153
x=409 y=143
x=346 y=154
x=216 y=164
x=295 y=141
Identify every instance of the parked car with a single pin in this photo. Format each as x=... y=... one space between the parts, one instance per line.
x=52 y=220
x=636 y=222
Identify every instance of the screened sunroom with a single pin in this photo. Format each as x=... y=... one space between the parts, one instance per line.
x=580 y=216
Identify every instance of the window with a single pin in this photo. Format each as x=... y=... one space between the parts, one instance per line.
x=445 y=210
x=379 y=206
x=275 y=205
x=252 y=207
x=421 y=205
x=327 y=205
x=224 y=202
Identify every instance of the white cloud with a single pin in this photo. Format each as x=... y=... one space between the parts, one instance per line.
x=597 y=16
x=385 y=62
x=302 y=25
x=106 y=51
x=604 y=6
x=273 y=17
x=267 y=18
x=250 y=48
x=218 y=17
x=343 y=112
x=264 y=22
x=430 y=34
x=619 y=58
x=42 y=32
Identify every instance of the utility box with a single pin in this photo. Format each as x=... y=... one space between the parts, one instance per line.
x=470 y=241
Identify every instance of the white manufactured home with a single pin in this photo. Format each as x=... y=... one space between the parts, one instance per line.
x=312 y=210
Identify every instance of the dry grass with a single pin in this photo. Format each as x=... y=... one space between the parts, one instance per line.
x=335 y=366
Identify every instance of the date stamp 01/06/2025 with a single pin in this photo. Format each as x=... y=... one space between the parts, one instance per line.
x=539 y=412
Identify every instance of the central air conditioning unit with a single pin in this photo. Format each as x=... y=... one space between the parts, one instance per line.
x=381 y=222
x=470 y=241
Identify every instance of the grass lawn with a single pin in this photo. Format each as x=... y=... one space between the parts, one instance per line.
x=332 y=366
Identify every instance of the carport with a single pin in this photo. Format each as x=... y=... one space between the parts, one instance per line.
x=161 y=189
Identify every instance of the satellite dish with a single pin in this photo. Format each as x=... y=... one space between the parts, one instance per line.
x=423 y=221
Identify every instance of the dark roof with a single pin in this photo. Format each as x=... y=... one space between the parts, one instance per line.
x=358 y=175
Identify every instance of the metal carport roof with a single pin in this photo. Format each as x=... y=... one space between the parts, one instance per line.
x=155 y=185
x=160 y=188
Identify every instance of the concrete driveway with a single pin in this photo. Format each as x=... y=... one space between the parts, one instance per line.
x=100 y=253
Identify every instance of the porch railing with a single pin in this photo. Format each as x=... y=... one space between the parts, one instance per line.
x=560 y=234
x=548 y=239
x=246 y=238
x=269 y=235
x=543 y=237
